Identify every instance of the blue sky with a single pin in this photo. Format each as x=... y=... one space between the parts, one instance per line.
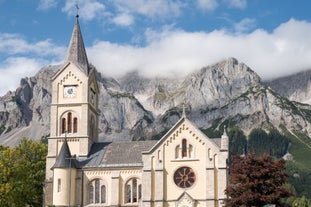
x=156 y=37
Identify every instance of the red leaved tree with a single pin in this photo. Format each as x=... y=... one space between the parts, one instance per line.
x=255 y=181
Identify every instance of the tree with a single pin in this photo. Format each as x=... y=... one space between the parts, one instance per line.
x=237 y=141
x=22 y=172
x=256 y=181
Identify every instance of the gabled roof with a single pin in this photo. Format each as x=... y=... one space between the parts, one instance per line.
x=183 y=120
x=76 y=51
x=64 y=159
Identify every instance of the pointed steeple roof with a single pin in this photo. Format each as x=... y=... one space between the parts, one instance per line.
x=64 y=159
x=76 y=51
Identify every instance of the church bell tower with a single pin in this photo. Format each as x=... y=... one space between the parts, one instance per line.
x=74 y=116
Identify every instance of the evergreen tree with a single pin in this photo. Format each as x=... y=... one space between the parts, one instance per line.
x=256 y=181
x=237 y=141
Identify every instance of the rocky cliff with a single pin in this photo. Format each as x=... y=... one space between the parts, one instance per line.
x=135 y=107
x=296 y=87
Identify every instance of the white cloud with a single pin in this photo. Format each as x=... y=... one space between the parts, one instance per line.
x=240 y=4
x=207 y=4
x=47 y=4
x=13 y=69
x=150 y=8
x=16 y=44
x=245 y=25
x=284 y=51
x=24 y=58
x=123 y=19
x=87 y=9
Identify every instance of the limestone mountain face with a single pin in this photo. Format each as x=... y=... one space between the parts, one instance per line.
x=296 y=87
x=135 y=107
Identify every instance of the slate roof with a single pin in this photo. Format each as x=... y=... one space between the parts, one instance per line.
x=76 y=51
x=117 y=154
x=64 y=159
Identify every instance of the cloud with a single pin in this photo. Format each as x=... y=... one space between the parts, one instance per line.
x=150 y=8
x=20 y=58
x=15 y=44
x=207 y=4
x=123 y=20
x=90 y=9
x=245 y=25
x=47 y=4
x=13 y=69
x=171 y=52
x=240 y=4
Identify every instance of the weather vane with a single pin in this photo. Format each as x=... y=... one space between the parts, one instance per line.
x=77 y=7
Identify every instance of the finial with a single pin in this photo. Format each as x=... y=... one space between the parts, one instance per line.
x=225 y=130
x=77 y=7
x=184 y=110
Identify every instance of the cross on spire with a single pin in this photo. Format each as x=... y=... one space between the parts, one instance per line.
x=77 y=12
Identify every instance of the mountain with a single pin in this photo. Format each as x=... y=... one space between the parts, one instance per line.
x=136 y=107
x=296 y=87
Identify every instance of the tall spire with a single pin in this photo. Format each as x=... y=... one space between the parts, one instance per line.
x=76 y=51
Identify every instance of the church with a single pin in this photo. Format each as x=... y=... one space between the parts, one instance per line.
x=185 y=168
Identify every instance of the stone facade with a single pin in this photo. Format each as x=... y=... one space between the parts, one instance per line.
x=184 y=168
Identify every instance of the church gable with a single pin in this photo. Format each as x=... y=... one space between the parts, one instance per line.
x=185 y=137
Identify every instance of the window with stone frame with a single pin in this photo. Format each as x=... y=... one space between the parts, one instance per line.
x=69 y=123
x=133 y=191
x=184 y=150
x=97 y=192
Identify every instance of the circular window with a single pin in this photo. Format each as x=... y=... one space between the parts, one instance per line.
x=184 y=177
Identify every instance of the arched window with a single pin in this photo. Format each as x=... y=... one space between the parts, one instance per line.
x=97 y=192
x=184 y=148
x=177 y=151
x=69 y=122
x=91 y=194
x=190 y=151
x=75 y=125
x=133 y=191
x=63 y=125
x=103 y=194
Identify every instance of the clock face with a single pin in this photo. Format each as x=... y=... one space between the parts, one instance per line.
x=184 y=177
x=70 y=91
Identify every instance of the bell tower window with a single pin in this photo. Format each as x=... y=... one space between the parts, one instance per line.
x=69 y=120
x=63 y=125
x=69 y=123
x=75 y=125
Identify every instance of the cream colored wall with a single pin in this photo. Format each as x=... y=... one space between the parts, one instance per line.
x=78 y=105
x=61 y=198
x=161 y=164
x=115 y=181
